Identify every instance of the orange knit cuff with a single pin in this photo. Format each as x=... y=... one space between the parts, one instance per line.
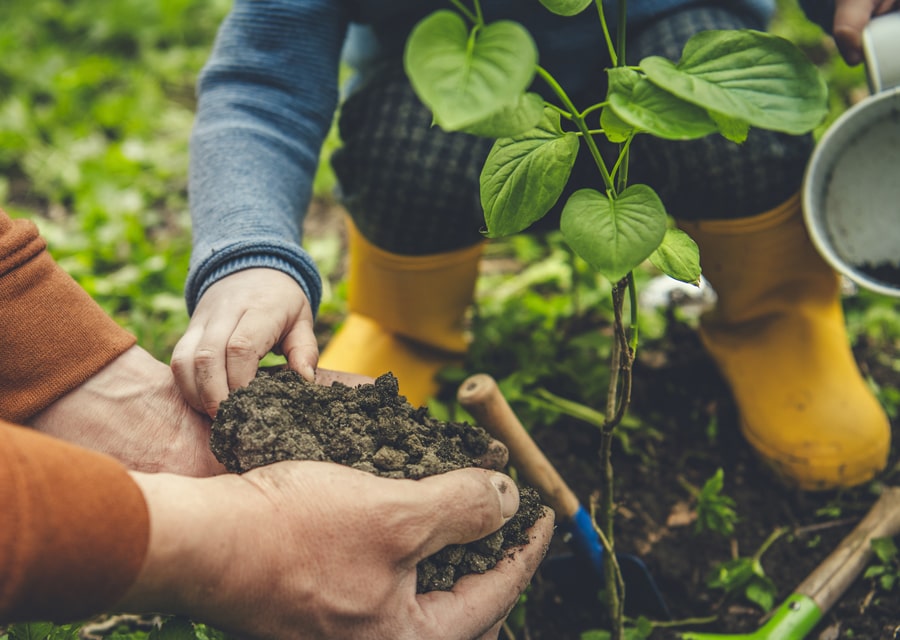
x=53 y=336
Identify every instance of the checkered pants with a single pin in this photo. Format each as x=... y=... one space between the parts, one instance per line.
x=412 y=188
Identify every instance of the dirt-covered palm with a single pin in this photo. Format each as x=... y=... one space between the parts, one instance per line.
x=133 y=410
x=319 y=550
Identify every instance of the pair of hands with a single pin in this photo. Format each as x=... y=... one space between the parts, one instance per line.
x=295 y=549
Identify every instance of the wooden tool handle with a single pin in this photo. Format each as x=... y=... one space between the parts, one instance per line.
x=838 y=571
x=481 y=397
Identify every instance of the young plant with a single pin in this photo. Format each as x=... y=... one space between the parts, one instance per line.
x=715 y=511
x=477 y=77
x=746 y=576
x=886 y=571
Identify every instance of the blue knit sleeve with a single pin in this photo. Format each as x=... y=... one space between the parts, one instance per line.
x=266 y=100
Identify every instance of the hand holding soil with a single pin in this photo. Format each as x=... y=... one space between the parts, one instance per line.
x=371 y=428
x=317 y=550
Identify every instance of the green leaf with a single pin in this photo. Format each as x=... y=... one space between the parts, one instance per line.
x=761 y=590
x=746 y=75
x=524 y=114
x=733 y=129
x=31 y=631
x=678 y=257
x=463 y=76
x=566 y=7
x=643 y=628
x=615 y=129
x=524 y=176
x=614 y=236
x=885 y=549
x=732 y=575
x=648 y=108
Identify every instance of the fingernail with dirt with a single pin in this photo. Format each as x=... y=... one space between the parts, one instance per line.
x=509 y=496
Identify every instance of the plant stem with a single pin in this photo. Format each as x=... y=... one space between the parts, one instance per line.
x=606 y=34
x=612 y=577
x=463 y=9
x=578 y=119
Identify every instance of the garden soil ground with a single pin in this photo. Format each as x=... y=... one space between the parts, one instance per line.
x=655 y=507
x=680 y=394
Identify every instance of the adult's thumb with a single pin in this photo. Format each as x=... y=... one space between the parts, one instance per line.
x=467 y=504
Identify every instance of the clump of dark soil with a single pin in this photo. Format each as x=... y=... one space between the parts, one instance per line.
x=280 y=416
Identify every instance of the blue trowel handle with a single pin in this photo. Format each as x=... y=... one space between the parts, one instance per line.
x=583 y=539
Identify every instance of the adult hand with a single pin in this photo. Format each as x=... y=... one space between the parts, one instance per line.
x=237 y=322
x=318 y=550
x=850 y=19
x=132 y=410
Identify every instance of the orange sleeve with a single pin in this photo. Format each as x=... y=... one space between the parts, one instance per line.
x=75 y=533
x=53 y=336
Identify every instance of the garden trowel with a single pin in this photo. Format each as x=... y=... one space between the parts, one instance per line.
x=481 y=397
x=802 y=610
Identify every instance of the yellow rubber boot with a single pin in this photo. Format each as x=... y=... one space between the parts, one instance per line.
x=406 y=315
x=778 y=336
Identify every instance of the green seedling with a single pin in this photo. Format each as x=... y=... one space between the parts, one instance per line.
x=885 y=573
x=478 y=77
x=745 y=576
x=715 y=511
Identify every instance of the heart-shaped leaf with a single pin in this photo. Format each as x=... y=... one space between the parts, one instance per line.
x=746 y=75
x=465 y=76
x=614 y=236
x=524 y=176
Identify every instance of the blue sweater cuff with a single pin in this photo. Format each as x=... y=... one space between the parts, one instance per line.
x=291 y=260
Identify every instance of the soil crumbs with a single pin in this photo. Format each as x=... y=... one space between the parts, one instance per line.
x=280 y=417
